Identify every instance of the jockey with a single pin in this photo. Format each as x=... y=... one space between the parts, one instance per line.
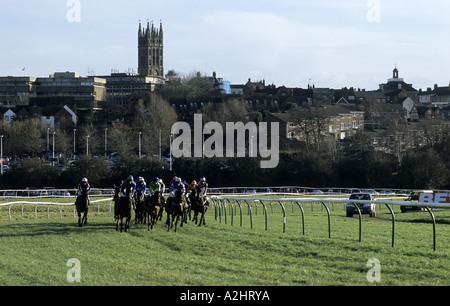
x=176 y=185
x=128 y=181
x=202 y=188
x=155 y=185
x=84 y=186
x=163 y=186
x=191 y=189
x=141 y=185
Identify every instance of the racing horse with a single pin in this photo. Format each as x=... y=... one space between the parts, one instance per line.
x=82 y=205
x=125 y=209
x=139 y=217
x=152 y=207
x=174 y=208
x=199 y=205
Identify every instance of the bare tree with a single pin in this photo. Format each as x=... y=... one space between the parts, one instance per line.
x=312 y=123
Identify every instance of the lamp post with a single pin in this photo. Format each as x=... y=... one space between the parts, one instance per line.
x=106 y=142
x=87 y=145
x=48 y=139
x=74 y=130
x=170 y=151
x=53 y=150
x=1 y=153
x=140 y=134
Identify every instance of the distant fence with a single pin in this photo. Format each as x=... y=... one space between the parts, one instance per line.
x=222 y=203
x=50 y=204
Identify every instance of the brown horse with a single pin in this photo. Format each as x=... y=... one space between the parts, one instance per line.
x=152 y=207
x=82 y=205
x=199 y=205
x=174 y=208
x=125 y=209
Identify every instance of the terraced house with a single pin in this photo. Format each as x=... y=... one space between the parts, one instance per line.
x=336 y=121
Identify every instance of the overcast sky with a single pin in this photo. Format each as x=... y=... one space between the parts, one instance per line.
x=286 y=42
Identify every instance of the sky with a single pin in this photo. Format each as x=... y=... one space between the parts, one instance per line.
x=328 y=43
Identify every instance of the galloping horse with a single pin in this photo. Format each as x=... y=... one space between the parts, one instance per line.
x=139 y=213
x=152 y=207
x=82 y=205
x=174 y=208
x=199 y=206
x=125 y=209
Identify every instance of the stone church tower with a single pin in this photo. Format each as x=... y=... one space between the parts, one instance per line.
x=150 y=45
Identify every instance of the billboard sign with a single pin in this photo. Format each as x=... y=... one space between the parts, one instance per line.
x=434 y=198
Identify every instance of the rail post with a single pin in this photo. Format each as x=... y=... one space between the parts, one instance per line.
x=265 y=210
x=360 y=217
x=284 y=216
x=303 y=216
x=434 y=227
x=329 y=219
x=250 y=212
x=393 y=223
x=231 y=205
x=240 y=210
x=9 y=212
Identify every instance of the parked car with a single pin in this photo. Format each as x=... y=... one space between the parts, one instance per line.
x=371 y=191
x=386 y=192
x=413 y=197
x=62 y=193
x=10 y=194
x=368 y=208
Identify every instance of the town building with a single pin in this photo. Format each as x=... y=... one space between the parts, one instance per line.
x=86 y=93
x=16 y=91
x=438 y=96
x=396 y=89
x=151 y=51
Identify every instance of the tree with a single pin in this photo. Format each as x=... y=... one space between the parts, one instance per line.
x=23 y=137
x=153 y=116
x=233 y=110
x=423 y=169
x=311 y=123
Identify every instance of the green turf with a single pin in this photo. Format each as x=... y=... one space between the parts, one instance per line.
x=35 y=251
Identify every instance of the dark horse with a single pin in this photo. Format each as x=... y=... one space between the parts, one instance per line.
x=199 y=205
x=152 y=207
x=139 y=217
x=125 y=209
x=175 y=208
x=82 y=204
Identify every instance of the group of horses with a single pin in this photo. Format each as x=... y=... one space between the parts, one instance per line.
x=149 y=209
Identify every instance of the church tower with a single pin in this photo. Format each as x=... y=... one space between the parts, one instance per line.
x=151 y=47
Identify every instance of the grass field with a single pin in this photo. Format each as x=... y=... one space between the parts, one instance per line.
x=35 y=251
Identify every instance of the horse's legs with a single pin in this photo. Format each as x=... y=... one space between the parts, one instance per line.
x=127 y=224
x=85 y=216
x=176 y=222
x=168 y=222
x=117 y=223
x=80 y=223
x=150 y=221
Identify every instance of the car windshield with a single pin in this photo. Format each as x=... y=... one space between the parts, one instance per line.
x=360 y=196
